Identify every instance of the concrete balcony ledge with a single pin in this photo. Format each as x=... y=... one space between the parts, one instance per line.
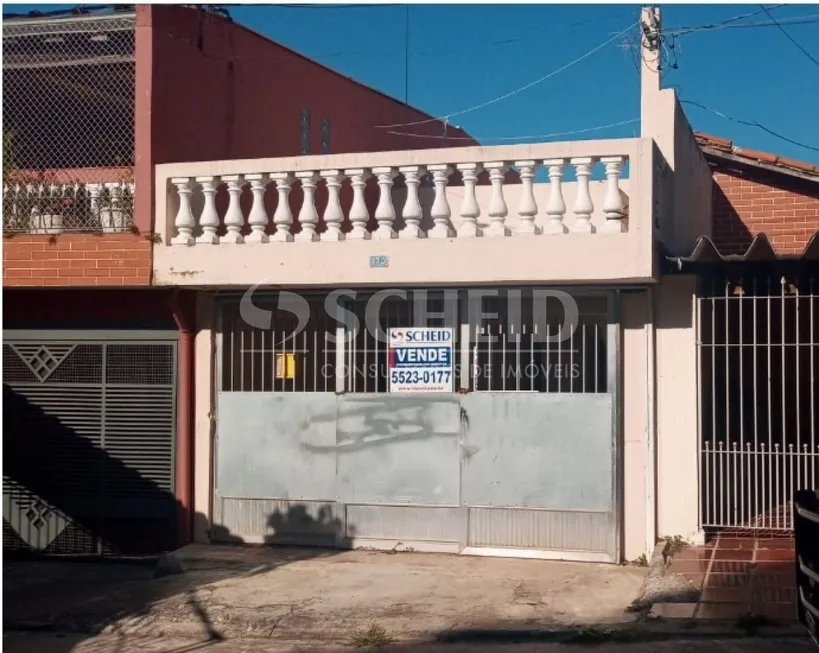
x=575 y=212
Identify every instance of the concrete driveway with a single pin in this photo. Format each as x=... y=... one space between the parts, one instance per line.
x=317 y=594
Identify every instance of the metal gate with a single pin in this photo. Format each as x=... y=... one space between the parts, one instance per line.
x=313 y=449
x=88 y=442
x=758 y=346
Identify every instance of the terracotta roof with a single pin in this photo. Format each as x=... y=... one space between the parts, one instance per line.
x=717 y=145
x=760 y=250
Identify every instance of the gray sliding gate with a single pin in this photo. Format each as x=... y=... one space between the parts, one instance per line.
x=507 y=464
x=88 y=442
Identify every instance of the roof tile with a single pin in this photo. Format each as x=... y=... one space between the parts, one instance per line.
x=756 y=155
x=709 y=141
x=718 y=141
x=798 y=165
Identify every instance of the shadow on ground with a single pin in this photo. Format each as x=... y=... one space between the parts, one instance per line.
x=81 y=550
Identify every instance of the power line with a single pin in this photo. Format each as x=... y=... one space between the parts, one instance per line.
x=749 y=15
x=523 y=37
x=790 y=38
x=326 y=6
x=516 y=138
x=795 y=20
x=751 y=123
x=445 y=118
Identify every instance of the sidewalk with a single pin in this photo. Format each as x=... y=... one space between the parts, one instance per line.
x=737 y=577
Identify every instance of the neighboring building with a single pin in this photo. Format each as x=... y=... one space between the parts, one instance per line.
x=96 y=360
x=585 y=448
x=758 y=338
x=761 y=193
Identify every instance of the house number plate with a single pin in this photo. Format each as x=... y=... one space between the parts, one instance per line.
x=379 y=261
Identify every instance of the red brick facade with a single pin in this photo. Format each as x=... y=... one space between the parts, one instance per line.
x=760 y=192
x=747 y=203
x=77 y=260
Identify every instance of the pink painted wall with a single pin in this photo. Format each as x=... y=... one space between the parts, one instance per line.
x=217 y=90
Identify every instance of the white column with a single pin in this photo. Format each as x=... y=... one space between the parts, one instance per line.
x=583 y=206
x=184 y=221
x=257 y=218
x=440 y=211
x=94 y=191
x=283 y=216
x=115 y=190
x=470 y=211
x=308 y=215
x=613 y=206
x=556 y=207
x=333 y=214
x=385 y=211
x=115 y=219
x=234 y=218
x=497 y=205
x=412 y=213
x=527 y=209
x=209 y=220
x=359 y=215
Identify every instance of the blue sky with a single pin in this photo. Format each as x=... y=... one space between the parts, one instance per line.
x=463 y=55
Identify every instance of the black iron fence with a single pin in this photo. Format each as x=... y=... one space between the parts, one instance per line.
x=806 y=534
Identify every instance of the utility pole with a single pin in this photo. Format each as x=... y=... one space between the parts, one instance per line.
x=406 y=54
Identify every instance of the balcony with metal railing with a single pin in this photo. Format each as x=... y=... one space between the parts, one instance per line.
x=68 y=123
x=570 y=212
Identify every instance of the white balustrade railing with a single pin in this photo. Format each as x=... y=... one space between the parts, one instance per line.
x=439 y=199
x=54 y=208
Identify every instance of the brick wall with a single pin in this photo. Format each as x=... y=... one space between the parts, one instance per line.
x=77 y=260
x=749 y=202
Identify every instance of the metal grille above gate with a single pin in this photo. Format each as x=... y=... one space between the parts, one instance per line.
x=758 y=350
x=88 y=445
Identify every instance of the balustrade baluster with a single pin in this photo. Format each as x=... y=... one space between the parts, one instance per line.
x=308 y=215
x=583 y=205
x=184 y=221
x=385 y=211
x=333 y=214
x=209 y=220
x=556 y=207
x=613 y=205
x=497 y=205
x=359 y=214
x=234 y=218
x=440 y=211
x=527 y=210
x=94 y=191
x=283 y=216
x=470 y=211
x=412 y=212
x=257 y=218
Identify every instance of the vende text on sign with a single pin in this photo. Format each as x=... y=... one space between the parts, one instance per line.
x=421 y=360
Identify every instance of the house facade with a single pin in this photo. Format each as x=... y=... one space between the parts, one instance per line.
x=97 y=359
x=483 y=350
x=312 y=272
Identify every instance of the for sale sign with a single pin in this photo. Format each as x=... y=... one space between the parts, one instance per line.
x=421 y=360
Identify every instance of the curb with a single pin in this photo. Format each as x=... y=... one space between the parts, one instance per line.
x=643 y=631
